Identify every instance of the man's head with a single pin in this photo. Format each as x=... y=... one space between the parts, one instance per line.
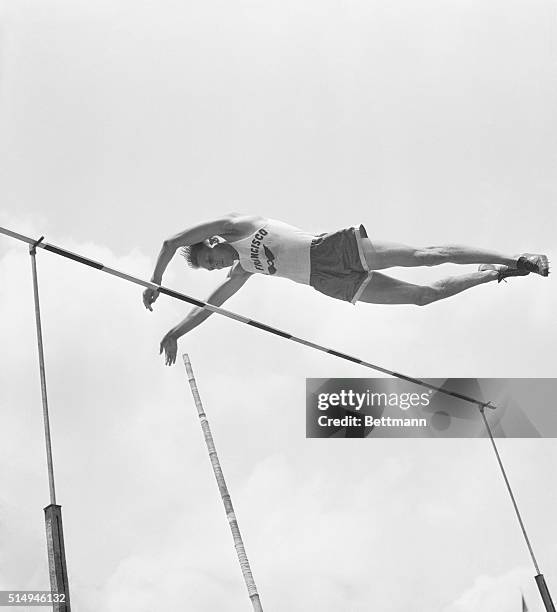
x=209 y=254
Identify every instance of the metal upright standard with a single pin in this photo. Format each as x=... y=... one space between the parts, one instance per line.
x=53 y=512
x=225 y=495
x=540 y=580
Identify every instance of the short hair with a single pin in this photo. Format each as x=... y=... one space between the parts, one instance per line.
x=191 y=253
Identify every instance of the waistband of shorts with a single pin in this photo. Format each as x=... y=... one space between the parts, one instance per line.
x=360 y=232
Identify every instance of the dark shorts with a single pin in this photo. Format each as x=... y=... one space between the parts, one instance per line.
x=338 y=266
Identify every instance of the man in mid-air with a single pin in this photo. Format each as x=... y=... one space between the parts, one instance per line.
x=341 y=264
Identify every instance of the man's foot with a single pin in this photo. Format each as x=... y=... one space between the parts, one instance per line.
x=538 y=264
x=503 y=271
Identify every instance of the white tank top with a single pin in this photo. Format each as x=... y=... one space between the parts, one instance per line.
x=276 y=249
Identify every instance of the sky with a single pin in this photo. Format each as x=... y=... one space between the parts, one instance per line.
x=122 y=123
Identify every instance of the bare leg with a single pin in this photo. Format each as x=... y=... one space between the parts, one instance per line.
x=380 y=255
x=383 y=289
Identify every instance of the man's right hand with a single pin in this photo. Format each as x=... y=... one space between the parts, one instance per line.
x=149 y=297
x=169 y=344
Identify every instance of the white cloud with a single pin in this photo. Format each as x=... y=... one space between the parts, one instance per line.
x=502 y=593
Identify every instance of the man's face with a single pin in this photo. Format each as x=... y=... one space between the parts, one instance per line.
x=214 y=258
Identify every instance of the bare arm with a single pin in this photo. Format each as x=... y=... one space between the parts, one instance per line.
x=192 y=235
x=231 y=226
x=197 y=315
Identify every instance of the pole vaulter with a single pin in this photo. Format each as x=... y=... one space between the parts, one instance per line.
x=39 y=243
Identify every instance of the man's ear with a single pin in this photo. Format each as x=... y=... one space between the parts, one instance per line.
x=232 y=269
x=213 y=241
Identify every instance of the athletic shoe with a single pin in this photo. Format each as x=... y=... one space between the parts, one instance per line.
x=538 y=264
x=503 y=271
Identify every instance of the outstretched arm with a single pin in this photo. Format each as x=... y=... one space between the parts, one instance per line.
x=196 y=316
x=232 y=224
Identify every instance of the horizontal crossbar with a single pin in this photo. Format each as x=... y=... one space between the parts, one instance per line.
x=232 y=315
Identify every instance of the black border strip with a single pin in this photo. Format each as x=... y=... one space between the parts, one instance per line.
x=70 y=255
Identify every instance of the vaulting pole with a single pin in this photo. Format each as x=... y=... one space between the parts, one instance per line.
x=225 y=495
x=53 y=512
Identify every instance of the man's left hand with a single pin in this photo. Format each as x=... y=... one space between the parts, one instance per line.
x=149 y=297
